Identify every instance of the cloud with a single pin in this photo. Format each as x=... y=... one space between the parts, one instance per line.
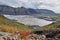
x=40 y=4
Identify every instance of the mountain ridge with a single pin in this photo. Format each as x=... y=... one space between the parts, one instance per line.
x=23 y=11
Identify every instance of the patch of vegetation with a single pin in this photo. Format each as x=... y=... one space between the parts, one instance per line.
x=55 y=25
x=8 y=25
x=58 y=17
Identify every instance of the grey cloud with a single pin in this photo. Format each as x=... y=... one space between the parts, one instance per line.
x=49 y=4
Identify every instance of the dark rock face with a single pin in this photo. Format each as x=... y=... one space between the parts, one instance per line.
x=38 y=32
x=50 y=34
x=22 y=11
x=53 y=34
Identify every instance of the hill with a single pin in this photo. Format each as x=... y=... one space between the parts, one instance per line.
x=55 y=25
x=8 y=25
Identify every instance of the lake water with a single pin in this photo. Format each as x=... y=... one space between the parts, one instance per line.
x=29 y=20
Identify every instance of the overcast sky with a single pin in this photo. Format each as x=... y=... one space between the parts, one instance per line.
x=40 y=4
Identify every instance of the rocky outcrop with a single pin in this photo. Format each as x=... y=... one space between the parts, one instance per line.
x=36 y=35
x=7 y=36
x=48 y=34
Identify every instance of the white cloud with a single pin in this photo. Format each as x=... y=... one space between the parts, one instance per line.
x=46 y=4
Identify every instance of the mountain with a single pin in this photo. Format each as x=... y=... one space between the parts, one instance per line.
x=8 y=25
x=46 y=11
x=4 y=9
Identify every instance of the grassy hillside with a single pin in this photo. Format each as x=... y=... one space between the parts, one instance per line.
x=52 y=26
x=8 y=25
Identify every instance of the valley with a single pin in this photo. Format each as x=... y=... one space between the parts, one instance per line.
x=29 y=20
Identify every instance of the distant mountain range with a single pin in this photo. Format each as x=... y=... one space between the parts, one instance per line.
x=4 y=9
